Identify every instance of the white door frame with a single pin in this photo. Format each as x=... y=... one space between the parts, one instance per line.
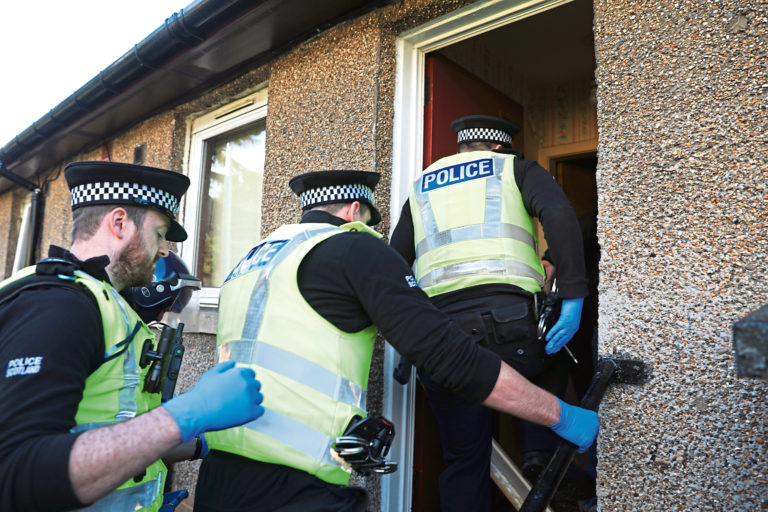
x=407 y=157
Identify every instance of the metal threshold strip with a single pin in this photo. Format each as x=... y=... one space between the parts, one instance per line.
x=508 y=477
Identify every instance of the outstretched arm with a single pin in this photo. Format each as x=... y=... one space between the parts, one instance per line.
x=102 y=459
x=515 y=395
x=543 y=198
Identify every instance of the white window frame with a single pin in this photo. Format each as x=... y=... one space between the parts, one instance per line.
x=411 y=48
x=241 y=112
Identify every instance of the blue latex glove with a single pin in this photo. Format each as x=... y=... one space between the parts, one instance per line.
x=566 y=326
x=172 y=499
x=202 y=448
x=223 y=397
x=577 y=425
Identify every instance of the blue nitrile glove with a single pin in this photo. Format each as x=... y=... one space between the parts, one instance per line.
x=566 y=326
x=172 y=499
x=577 y=425
x=223 y=397
x=201 y=449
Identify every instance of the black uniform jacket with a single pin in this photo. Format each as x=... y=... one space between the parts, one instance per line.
x=542 y=198
x=55 y=335
x=354 y=280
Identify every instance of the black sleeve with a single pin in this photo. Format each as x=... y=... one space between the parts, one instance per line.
x=543 y=198
x=51 y=340
x=386 y=289
x=402 y=236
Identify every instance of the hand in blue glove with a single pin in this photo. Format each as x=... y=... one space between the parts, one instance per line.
x=201 y=449
x=172 y=499
x=204 y=448
x=223 y=397
x=577 y=425
x=566 y=326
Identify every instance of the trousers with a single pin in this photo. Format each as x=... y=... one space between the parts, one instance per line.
x=466 y=427
x=230 y=483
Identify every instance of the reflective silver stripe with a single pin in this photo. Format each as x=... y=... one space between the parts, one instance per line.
x=425 y=209
x=493 y=193
x=126 y=396
x=129 y=499
x=493 y=197
x=475 y=232
x=479 y=268
x=255 y=313
x=299 y=369
x=492 y=227
x=127 y=407
x=295 y=434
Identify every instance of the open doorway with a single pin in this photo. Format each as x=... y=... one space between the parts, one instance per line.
x=536 y=69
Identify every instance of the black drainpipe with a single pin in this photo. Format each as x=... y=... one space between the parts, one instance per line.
x=37 y=202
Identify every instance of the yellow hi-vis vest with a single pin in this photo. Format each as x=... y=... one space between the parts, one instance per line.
x=470 y=225
x=113 y=393
x=313 y=375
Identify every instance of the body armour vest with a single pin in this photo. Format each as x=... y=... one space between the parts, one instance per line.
x=112 y=393
x=313 y=375
x=471 y=227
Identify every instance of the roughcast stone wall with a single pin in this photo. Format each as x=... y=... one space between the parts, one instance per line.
x=683 y=186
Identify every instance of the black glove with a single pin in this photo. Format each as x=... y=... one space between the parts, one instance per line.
x=402 y=373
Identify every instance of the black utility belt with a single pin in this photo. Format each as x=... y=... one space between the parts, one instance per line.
x=493 y=324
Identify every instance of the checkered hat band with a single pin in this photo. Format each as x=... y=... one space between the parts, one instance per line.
x=487 y=134
x=335 y=194
x=116 y=191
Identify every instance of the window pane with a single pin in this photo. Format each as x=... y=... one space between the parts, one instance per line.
x=230 y=222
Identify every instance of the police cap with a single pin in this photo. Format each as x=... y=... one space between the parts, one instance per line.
x=328 y=187
x=485 y=129
x=94 y=183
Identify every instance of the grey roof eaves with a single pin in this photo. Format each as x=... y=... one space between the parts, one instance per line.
x=201 y=45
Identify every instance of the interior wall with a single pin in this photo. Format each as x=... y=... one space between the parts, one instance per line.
x=555 y=114
x=563 y=113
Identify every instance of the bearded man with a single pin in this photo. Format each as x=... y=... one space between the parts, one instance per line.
x=78 y=427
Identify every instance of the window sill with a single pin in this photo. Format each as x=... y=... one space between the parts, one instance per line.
x=207 y=320
x=202 y=320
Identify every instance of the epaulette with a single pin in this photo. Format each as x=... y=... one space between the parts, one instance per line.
x=55 y=267
x=48 y=272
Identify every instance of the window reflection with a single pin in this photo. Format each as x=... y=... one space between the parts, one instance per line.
x=230 y=222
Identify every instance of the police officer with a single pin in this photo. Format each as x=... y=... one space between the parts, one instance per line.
x=78 y=428
x=302 y=309
x=468 y=231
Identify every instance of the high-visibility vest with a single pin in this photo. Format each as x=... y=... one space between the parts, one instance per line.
x=471 y=227
x=112 y=393
x=313 y=375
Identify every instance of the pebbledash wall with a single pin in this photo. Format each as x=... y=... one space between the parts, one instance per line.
x=682 y=100
x=683 y=188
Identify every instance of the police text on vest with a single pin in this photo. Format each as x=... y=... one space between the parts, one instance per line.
x=456 y=174
x=259 y=256
x=23 y=366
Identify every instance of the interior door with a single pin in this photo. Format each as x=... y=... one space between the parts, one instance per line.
x=451 y=92
x=578 y=180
